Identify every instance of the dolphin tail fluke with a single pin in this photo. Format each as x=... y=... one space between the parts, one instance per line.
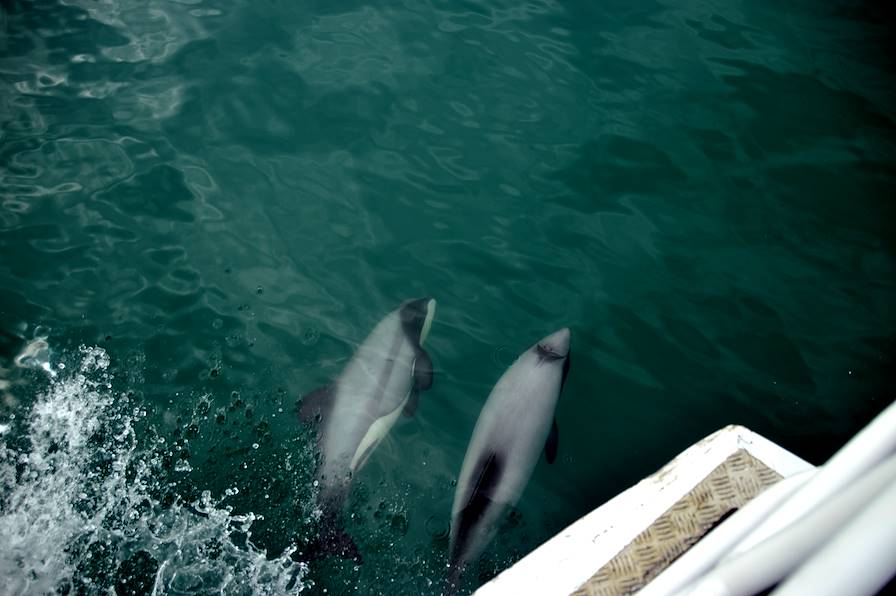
x=340 y=544
x=332 y=539
x=455 y=571
x=335 y=542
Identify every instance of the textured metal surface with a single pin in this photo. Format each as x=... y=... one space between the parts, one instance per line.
x=733 y=483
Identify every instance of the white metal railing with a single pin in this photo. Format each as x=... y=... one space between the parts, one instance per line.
x=837 y=521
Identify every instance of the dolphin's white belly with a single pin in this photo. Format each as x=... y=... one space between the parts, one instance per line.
x=376 y=433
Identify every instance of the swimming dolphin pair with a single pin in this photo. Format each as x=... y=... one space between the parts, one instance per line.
x=384 y=378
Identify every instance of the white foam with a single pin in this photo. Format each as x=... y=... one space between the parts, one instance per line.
x=77 y=500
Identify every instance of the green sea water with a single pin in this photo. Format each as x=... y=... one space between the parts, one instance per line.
x=206 y=205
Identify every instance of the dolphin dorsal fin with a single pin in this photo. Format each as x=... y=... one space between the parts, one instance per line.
x=491 y=468
x=317 y=403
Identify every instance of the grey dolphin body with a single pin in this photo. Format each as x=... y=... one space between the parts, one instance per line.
x=382 y=380
x=514 y=425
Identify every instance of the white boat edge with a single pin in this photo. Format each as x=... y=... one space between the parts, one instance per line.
x=568 y=560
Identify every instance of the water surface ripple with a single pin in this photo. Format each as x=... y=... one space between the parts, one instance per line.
x=223 y=197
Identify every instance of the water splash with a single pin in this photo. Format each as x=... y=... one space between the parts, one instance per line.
x=36 y=354
x=80 y=505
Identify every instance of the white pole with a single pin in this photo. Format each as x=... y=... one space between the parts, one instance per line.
x=858 y=561
x=773 y=559
x=872 y=444
x=712 y=547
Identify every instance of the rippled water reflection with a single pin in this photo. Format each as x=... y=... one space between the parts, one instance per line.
x=223 y=198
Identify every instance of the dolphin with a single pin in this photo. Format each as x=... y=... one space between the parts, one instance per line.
x=381 y=381
x=514 y=425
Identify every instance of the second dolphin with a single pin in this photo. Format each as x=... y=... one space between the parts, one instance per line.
x=515 y=423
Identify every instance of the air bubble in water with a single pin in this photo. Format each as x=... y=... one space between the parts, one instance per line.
x=311 y=336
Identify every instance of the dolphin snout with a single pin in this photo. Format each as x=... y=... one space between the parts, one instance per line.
x=557 y=342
